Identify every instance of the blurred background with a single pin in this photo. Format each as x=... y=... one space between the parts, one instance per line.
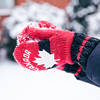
x=18 y=83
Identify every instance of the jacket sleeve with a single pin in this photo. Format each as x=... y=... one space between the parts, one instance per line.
x=93 y=68
x=79 y=74
x=87 y=80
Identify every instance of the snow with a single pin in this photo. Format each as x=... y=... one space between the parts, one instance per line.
x=24 y=14
x=84 y=14
x=19 y=83
x=5 y=11
x=94 y=24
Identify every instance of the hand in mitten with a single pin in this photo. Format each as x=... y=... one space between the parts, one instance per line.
x=25 y=58
x=67 y=47
x=55 y=48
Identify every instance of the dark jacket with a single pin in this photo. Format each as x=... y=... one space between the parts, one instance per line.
x=93 y=68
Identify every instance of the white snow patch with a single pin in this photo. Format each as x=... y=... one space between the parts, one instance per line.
x=19 y=83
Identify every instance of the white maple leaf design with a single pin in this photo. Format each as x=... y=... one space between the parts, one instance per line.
x=46 y=59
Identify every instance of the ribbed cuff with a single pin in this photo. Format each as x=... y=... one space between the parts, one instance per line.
x=74 y=69
x=82 y=47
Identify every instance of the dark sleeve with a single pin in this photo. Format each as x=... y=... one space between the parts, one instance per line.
x=78 y=73
x=93 y=66
x=87 y=80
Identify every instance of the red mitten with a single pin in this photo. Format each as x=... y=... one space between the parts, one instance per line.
x=45 y=54
x=54 y=48
x=25 y=37
x=68 y=47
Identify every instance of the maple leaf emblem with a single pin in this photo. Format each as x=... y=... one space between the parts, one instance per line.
x=46 y=59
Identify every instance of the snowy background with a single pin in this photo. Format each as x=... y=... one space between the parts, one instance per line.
x=17 y=83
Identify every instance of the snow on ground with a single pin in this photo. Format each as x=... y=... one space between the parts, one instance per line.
x=17 y=83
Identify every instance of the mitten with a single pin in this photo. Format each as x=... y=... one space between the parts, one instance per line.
x=68 y=47
x=24 y=52
x=60 y=46
x=44 y=54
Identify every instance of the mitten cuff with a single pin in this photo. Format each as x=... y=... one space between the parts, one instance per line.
x=82 y=47
x=74 y=69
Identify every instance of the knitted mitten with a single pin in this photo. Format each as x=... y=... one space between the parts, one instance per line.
x=55 y=48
